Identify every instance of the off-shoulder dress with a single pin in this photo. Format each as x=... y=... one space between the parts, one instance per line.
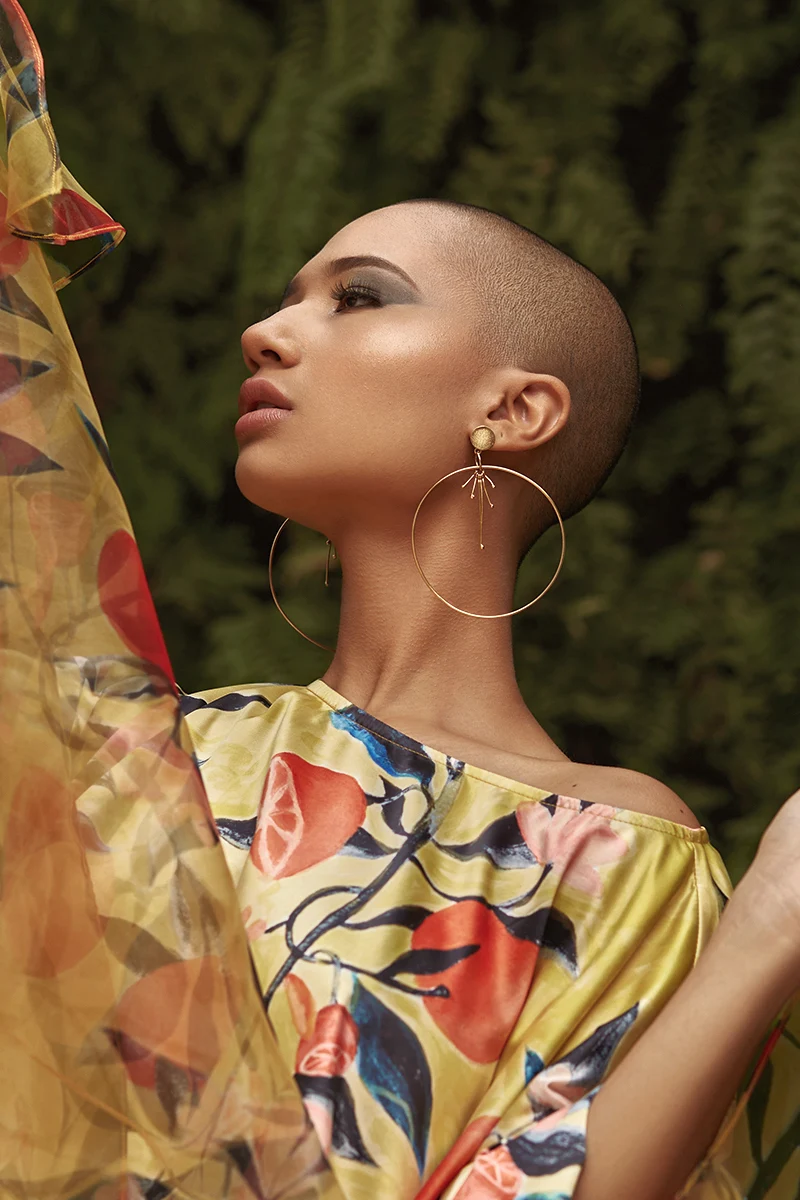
x=254 y=942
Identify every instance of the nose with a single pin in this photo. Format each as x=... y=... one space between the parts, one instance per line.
x=268 y=342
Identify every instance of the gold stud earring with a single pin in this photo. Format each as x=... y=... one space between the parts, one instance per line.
x=483 y=439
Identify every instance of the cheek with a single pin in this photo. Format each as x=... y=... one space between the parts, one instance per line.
x=413 y=363
x=397 y=397
x=380 y=413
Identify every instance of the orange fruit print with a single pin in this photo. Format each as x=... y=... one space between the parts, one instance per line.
x=307 y=813
x=48 y=917
x=332 y=1046
x=487 y=989
x=495 y=1176
x=183 y=1012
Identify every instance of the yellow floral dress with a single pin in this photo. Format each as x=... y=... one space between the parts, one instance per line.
x=254 y=942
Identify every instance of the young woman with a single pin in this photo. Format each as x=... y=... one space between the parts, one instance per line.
x=374 y=936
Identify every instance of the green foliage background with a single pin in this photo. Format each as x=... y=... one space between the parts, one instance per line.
x=657 y=142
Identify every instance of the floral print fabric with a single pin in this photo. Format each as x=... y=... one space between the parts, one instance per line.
x=135 y=1057
x=452 y=961
x=253 y=942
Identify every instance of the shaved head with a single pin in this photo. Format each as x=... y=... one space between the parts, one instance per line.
x=412 y=325
x=545 y=312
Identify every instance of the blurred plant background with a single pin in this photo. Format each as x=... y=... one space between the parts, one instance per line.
x=657 y=142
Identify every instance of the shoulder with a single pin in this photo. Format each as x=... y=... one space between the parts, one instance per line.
x=622 y=788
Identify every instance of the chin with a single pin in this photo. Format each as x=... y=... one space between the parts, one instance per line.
x=253 y=481
x=267 y=486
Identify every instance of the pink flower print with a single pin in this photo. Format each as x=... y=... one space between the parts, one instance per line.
x=576 y=841
x=253 y=928
x=554 y=1088
x=320 y=1115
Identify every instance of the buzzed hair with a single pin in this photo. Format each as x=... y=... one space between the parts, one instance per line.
x=547 y=313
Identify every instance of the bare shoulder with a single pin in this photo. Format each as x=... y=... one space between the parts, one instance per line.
x=629 y=789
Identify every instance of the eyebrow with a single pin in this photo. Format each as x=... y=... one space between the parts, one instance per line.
x=347 y=264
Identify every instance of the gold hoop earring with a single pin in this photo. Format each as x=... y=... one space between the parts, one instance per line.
x=331 y=554
x=482 y=438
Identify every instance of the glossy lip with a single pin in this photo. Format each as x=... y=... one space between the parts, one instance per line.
x=258 y=420
x=255 y=391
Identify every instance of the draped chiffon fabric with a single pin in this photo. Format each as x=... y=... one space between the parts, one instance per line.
x=254 y=942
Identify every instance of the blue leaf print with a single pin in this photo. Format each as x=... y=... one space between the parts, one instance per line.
x=391 y=803
x=549 y=928
x=533 y=1065
x=393 y=1067
x=590 y=1059
x=392 y=751
x=543 y=1152
x=151 y=1188
x=34 y=102
x=229 y=702
x=558 y=941
x=501 y=842
x=13 y=299
x=334 y=1095
x=587 y=1063
x=545 y=1196
x=238 y=833
x=427 y=962
x=363 y=845
x=98 y=441
x=410 y=916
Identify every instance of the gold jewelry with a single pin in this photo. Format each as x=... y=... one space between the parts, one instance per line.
x=482 y=438
x=328 y=558
x=331 y=554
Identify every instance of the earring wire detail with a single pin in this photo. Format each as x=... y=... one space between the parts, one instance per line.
x=289 y=621
x=482 y=438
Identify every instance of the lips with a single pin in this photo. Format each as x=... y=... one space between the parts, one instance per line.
x=257 y=393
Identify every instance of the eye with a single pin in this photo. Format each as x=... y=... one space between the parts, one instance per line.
x=344 y=294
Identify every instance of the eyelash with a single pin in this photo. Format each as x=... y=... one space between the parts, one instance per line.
x=339 y=293
x=343 y=291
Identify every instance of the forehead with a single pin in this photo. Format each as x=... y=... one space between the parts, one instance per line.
x=417 y=238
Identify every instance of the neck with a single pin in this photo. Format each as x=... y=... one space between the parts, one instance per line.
x=413 y=662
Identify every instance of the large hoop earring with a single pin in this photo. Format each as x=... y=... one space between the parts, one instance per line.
x=288 y=620
x=482 y=438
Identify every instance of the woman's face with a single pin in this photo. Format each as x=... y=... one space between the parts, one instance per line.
x=382 y=373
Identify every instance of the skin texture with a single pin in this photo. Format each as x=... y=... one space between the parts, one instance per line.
x=385 y=394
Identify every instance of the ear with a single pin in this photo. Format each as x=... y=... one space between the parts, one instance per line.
x=533 y=409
